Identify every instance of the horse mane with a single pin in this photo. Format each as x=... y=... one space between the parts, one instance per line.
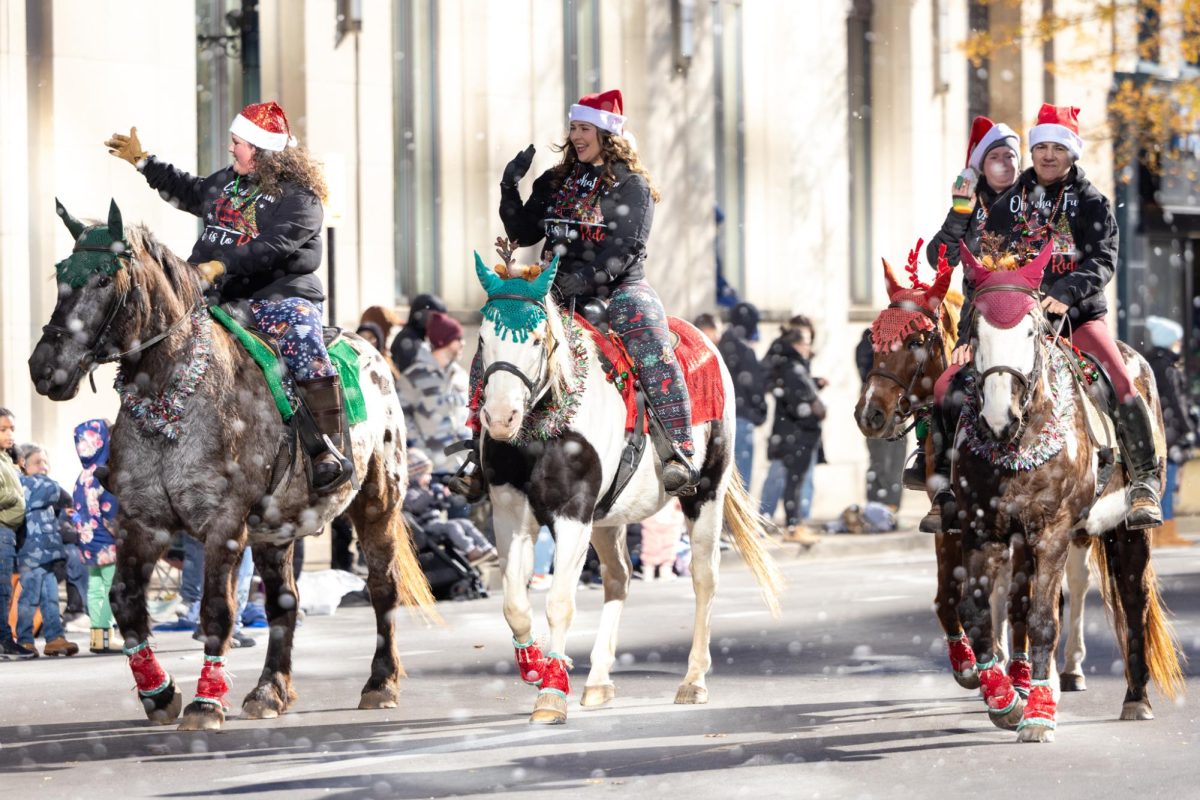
x=149 y=254
x=561 y=366
x=951 y=313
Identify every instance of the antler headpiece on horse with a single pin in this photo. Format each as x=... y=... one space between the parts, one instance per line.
x=912 y=308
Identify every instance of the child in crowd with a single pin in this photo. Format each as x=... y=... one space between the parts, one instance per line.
x=95 y=512
x=428 y=503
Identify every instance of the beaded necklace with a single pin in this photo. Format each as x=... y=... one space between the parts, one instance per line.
x=1024 y=228
x=237 y=195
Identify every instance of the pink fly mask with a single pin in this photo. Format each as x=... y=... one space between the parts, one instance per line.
x=1004 y=309
x=911 y=309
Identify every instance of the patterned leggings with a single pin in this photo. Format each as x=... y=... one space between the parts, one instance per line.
x=295 y=324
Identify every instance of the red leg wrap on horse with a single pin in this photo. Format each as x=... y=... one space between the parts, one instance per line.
x=962 y=658
x=554 y=676
x=1020 y=672
x=1040 y=709
x=997 y=690
x=529 y=663
x=213 y=686
x=149 y=675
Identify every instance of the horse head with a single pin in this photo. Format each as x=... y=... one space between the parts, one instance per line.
x=906 y=341
x=93 y=285
x=1006 y=342
x=517 y=341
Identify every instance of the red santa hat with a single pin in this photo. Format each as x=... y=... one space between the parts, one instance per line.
x=264 y=125
x=604 y=110
x=1057 y=125
x=985 y=135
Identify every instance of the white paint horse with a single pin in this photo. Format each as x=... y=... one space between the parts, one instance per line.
x=531 y=367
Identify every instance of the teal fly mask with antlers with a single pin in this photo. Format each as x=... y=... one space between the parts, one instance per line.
x=99 y=249
x=515 y=306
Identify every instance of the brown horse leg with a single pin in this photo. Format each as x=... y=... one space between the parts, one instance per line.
x=274 y=693
x=207 y=711
x=1050 y=555
x=1004 y=704
x=948 y=547
x=1020 y=669
x=379 y=525
x=1132 y=561
x=136 y=555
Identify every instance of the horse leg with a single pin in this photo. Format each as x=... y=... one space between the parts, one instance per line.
x=704 y=532
x=1071 y=679
x=948 y=547
x=611 y=546
x=1003 y=703
x=222 y=553
x=572 y=538
x=139 y=550
x=1132 y=561
x=1020 y=668
x=1038 y=721
x=1000 y=579
x=516 y=530
x=274 y=693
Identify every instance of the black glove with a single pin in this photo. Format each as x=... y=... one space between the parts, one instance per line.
x=517 y=168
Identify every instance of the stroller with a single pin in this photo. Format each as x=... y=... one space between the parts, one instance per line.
x=450 y=575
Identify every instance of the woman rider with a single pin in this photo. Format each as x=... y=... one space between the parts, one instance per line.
x=594 y=211
x=1053 y=201
x=262 y=243
x=993 y=164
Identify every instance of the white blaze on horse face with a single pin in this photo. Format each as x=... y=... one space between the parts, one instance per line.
x=1015 y=348
x=505 y=395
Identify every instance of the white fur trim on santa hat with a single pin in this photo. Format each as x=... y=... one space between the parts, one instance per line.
x=1051 y=133
x=262 y=139
x=996 y=133
x=604 y=120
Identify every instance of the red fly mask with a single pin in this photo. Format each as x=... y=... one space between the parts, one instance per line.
x=911 y=309
x=1004 y=309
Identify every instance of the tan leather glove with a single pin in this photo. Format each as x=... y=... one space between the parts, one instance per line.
x=126 y=148
x=210 y=271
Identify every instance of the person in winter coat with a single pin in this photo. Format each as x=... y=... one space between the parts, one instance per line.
x=408 y=340
x=262 y=244
x=95 y=515
x=1166 y=338
x=429 y=503
x=796 y=430
x=749 y=383
x=32 y=459
x=41 y=549
x=1053 y=202
x=12 y=517
x=375 y=326
x=885 y=457
x=594 y=211
x=434 y=396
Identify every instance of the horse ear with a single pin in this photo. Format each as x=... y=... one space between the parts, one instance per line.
x=543 y=282
x=889 y=279
x=73 y=225
x=1032 y=272
x=971 y=266
x=116 y=229
x=490 y=281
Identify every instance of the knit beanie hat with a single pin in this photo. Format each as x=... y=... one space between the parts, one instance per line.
x=441 y=329
x=985 y=137
x=1163 y=332
x=418 y=462
x=1057 y=125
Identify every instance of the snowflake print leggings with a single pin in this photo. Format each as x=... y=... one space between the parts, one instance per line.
x=295 y=325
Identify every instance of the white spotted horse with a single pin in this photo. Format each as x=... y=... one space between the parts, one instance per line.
x=1035 y=462
x=199 y=445
x=911 y=341
x=558 y=448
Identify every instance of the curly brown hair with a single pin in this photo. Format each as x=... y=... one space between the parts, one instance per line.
x=273 y=168
x=612 y=149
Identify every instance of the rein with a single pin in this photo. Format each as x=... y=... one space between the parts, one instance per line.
x=905 y=407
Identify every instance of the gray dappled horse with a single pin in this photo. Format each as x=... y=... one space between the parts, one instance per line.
x=194 y=448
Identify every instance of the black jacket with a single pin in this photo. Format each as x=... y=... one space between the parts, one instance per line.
x=595 y=258
x=749 y=379
x=1173 y=394
x=967 y=228
x=796 y=430
x=1084 y=261
x=271 y=248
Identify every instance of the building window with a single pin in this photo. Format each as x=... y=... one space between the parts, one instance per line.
x=220 y=81
x=1149 y=27
x=858 y=72
x=581 y=48
x=417 y=201
x=729 y=142
x=978 y=97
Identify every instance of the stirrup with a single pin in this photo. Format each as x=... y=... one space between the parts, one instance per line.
x=467 y=481
x=913 y=476
x=345 y=469
x=1149 y=513
x=680 y=476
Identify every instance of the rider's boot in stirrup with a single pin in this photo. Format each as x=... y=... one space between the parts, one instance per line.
x=469 y=480
x=324 y=400
x=1136 y=433
x=943 y=512
x=680 y=477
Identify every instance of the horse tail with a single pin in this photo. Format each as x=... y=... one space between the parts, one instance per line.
x=414 y=586
x=749 y=533
x=1161 y=645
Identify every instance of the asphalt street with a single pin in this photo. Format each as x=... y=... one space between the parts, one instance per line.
x=847 y=695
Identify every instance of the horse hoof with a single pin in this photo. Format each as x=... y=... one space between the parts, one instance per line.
x=596 y=696
x=549 y=709
x=1010 y=719
x=1072 y=683
x=167 y=713
x=968 y=681
x=202 y=717
x=1035 y=733
x=1136 y=710
x=258 y=709
x=689 y=694
x=379 y=698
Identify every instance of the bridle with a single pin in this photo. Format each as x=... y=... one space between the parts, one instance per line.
x=537 y=389
x=905 y=408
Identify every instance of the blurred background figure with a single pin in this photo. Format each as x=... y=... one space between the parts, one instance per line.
x=12 y=516
x=749 y=383
x=408 y=340
x=708 y=325
x=376 y=326
x=1166 y=342
x=95 y=518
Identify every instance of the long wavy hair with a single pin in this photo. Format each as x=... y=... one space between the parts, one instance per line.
x=273 y=168
x=612 y=149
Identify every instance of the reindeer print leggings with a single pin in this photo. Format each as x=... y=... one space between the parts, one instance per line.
x=295 y=324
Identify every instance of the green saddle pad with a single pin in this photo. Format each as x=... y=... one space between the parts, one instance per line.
x=341 y=353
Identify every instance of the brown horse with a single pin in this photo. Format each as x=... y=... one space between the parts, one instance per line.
x=1030 y=468
x=194 y=448
x=912 y=339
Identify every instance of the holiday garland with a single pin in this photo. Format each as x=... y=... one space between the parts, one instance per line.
x=162 y=413
x=552 y=417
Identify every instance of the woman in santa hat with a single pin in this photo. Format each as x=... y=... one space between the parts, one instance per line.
x=594 y=210
x=262 y=243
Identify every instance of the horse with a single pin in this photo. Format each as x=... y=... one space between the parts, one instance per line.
x=194 y=448
x=553 y=432
x=1031 y=467
x=912 y=340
